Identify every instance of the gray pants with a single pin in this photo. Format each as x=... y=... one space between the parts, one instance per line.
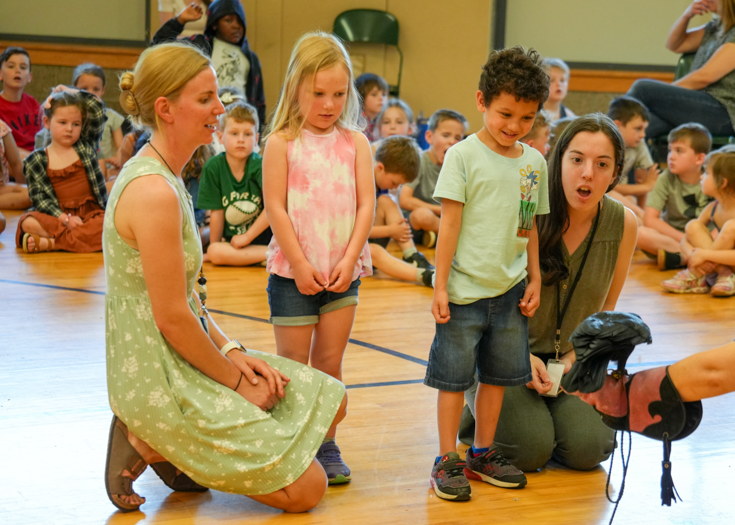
x=532 y=429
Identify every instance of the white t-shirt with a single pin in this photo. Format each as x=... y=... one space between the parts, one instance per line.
x=501 y=196
x=230 y=65
x=176 y=6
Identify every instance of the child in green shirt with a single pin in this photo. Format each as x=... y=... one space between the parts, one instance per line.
x=231 y=187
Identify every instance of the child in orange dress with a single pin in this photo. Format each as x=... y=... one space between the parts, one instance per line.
x=65 y=182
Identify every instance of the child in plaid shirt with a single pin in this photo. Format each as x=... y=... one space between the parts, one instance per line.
x=65 y=182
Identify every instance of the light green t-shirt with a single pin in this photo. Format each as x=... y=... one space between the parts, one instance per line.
x=678 y=203
x=501 y=196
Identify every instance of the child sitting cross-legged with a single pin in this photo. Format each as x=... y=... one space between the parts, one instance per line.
x=12 y=196
x=231 y=187
x=396 y=163
x=373 y=90
x=446 y=128
x=395 y=119
x=65 y=182
x=710 y=253
x=677 y=196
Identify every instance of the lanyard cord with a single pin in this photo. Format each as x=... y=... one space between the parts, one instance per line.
x=561 y=312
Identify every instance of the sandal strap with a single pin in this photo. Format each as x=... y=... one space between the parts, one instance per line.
x=121 y=455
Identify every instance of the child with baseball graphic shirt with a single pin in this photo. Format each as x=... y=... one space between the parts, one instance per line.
x=231 y=186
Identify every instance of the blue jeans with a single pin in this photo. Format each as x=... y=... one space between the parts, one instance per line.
x=670 y=106
x=289 y=307
x=488 y=337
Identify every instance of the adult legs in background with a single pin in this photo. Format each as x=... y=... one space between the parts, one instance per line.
x=670 y=106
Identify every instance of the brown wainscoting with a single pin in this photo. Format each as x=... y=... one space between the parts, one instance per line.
x=611 y=81
x=75 y=54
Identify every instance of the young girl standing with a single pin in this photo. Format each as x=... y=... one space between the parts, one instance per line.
x=320 y=200
x=65 y=182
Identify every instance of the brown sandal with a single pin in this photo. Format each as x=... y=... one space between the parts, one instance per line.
x=179 y=482
x=121 y=455
x=37 y=241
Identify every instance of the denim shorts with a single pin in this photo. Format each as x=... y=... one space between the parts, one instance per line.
x=289 y=307
x=489 y=336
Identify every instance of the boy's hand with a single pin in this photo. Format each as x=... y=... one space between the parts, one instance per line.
x=401 y=232
x=440 y=306
x=341 y=277
x=541 y=381
x=115 y=161
x=239 y=241
x=531 y=298
x=651 y=177
x=308 y=279
x=190 y=13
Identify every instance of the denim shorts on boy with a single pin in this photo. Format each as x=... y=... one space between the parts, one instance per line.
x=289 y=307
x=488 y=336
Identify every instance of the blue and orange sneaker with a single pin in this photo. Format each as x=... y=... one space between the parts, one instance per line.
x=491 y=467
x=448 y=479
x=330 y=457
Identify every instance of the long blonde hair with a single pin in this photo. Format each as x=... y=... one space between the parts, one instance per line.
x=726 y=11
x=161 y=71
x=313 y=52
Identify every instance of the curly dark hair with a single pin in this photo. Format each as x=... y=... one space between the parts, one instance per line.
x=516 y=71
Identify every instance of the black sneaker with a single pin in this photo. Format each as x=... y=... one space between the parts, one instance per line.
x=669 y=261
x=419 y=261
x=448 y=479
x=426 y=278
x=428 y=239
x=491 y=467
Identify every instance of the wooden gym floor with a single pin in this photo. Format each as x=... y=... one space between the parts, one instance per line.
x=54 y=414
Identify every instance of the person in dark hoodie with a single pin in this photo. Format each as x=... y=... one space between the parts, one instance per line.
x=225 y=41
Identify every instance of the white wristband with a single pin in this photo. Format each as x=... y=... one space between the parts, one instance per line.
x=232 y=345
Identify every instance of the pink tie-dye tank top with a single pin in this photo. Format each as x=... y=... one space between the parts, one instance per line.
x=321 y=203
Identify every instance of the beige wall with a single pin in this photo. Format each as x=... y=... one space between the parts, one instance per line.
x=444 y=46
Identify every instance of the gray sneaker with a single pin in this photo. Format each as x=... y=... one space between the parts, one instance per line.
x=330 y=458
x=448 y=480
x=491 y=467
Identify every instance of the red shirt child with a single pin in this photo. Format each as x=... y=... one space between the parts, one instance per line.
x=24 y=118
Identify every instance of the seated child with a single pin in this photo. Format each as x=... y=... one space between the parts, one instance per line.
x=395 y=119
x=91 y=78
x=710 y=255
x=631 y=118
x=446 y=128
x=538 y=137
x=65 y=182
x=231 y=187
x=677 y=196
x=19 y=110
x=191 y=175
x=557 y=128
x=558 y=72
x=12 y=196
x=373 y=90
x=396 y=162
x=228 y=95
x=225 y=41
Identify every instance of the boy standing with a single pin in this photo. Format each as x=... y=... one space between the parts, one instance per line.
x=231 y=186
x=631 y=118
x=19 y=110
x=677 y=196
x=486 y=249
x=396 y=163
x=226 y=42
x=445 y=129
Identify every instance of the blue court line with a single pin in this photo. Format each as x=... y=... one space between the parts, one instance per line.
x=387 y=383
x=371 y=346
